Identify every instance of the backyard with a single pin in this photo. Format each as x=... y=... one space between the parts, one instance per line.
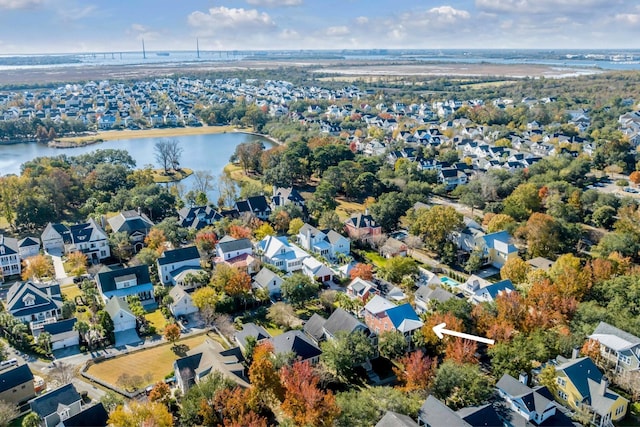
x=153 y=363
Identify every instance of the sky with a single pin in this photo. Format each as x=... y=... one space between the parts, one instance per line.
x=56 y=26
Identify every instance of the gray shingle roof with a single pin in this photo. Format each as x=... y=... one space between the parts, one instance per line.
x=393 y=419
x=314 y=327
x=295 y=342
x=234 y=245
x=251 y=330
x=604 y=328
x=436 y=413
x=130 y=222
x=11 y=378
x=341 y=320
x=48 y=403
x=179 y=255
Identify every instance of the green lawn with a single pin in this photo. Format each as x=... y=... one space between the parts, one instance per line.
x=160 y=177
x=376 y=258
x=71 y=292
x=156 y=319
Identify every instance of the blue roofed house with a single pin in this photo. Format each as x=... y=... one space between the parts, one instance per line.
x=62 y=333
x=620 y=349
x=173 y=262
x=382 y=315
x=496 y=248
x=490 y=292
x=283 y=255
x=116 y=281
x=36 y=304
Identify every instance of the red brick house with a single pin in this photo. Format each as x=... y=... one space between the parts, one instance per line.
x=362 y=227
x=382 y=315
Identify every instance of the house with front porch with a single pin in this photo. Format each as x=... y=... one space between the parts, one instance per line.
x=382 y=315
x=620 y=349
x=277 y=251
x=136 y=224
x=328 y=244
x=88 y=238
x=362 y=227
x=9 y=257
x=496 y=248
x=176 y=259
x=35 y=304
x=122 y=282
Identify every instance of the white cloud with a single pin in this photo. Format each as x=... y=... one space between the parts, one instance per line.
x=362 y=20
x=447 y=14
x=337 y=31
x=19 y=4
x=628 y=18
x=274 y=3
x=543 y=6
x=289 y=34
x=223 y=18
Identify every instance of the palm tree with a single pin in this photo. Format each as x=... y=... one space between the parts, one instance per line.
x=44 y=341
x=82 y=328
x=31 y=420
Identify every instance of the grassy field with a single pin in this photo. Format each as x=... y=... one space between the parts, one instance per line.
x=71 y=291
x=236 y=173
x=156 y=361
x=113 y=135
x=156 y=319
x=376 y=258
x=346 y=208
x=160 y=177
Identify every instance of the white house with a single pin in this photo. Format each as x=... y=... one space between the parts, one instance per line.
x=316 y=270
x=63 y=335
x=29 y=246
x=182 y=304
x=172 y=261
x=36 y=304
x=123 y=318
x=228 y=248
x=88 y=238
x=268 y=280
x=327 y=244
x=9 y=257
x=278 y=252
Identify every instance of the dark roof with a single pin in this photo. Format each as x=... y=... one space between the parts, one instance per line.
x=14 y=377
x=296 y=342
x=393 y=419
x=481 y=416
x=251 y=330
x=10 y=245
x=198 y=216
x=259 y=204
x=130 y=221
x=437 y=293
x=179 y=255
x=234 y=245
x=29 y=241
x=95 y=416
x=341 y=320
x=362 y=221
x=533 y=400
x=60 y=327
x=436 y=413
x=186 y=368
x=40 y=292
x=107 y=275
x=243 y=206
x=579 y=372
x=314 y=327
x=47 y=404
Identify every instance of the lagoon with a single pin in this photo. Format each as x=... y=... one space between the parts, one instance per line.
x=210 y=152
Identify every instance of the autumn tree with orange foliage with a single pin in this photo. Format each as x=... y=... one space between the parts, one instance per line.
x=263 y=376
x=591 y=348
x=161 y=392
x=461 y=351
x=431 y=339
x=37 y=267
x=304 y=402
x=141 y=414
x=547 y=306
x=77 y=262
x=634 y=177
x=239 y=232
x=172 y=333
x=232 y=408
x=515 y=269
x=363 y=271
x=156 y=240
x=416 y=371
x=543 y=234
x=238 y=285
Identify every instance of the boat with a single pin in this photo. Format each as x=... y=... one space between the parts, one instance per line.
x=162 y=53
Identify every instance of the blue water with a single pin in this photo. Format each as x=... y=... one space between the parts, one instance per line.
x=449 y=281
x=209 y=152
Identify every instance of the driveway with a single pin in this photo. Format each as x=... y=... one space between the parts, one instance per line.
x=127 y=338
x=58 y=265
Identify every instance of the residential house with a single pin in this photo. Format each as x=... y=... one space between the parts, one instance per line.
x=428 y=277
x=297 y=344
x=116 y=281
x=540 y=263
x=172 y=262
x=362 y=227
x=327 y=244
x=393 y=419
x=228 y=248
x=184 y=277
x=250 y=330
x=182 y=304
x=619 y=348
x=257 y=206
x=93 y=416
x=490 y=292
x=88 y=238
x=205 y=359
x=278 y=252
x=63 y=334
x=452 y=177
x=57 y=405
x=124 y=321
x=316 y=270
x=339 y=321
x=269 y=281
x=434 y=413
x=136 y=224
x=9 y=257
x=496 y=248
x=284 y=196
x=198 y=217
x=35 y=303
x=581 y=386
x=29 y=246
x=393 y=248
x=16 y=384
x=382 y=315
x=361 y=289
x=427 y=295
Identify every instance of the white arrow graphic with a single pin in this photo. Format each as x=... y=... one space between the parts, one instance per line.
x=439 y=330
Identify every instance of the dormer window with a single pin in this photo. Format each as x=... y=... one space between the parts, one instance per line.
x=29 y=300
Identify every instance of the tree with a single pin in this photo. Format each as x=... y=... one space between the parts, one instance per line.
x=544 y=235
x=604 y=216
x=172 y=333
x=8 y=412
x=68 y=309
x=515 y=269
x=202 y=181
x=475 y=262
x=31 y=420
x=167 y=153
x=263 y=375
x=294 y=226
x=282 y=314
x=399 y=267
x=329 y=220
x=263 y=231
x=635 y=177
x=363 y=271
x=110 y=400
x=232 y=407
x=204 y=391
x=416 y=371
x=120 y=244
x=304 y=402
x=461 y=385
x=388 y=209
x=461 y=351
x=239 y=284
x=392 y=344
x=239 y=232
x=298 y=288
x=365 y=407
x=500 y=222
x=547 y=378
x=436 y=226
x=83 y=328
x=156 y=240
x=141 y=414
x=205 y=297
x=522 y=202
x=161 y=392
x=37 y=267
x=63 y=373
x=346 y=351
x=77 y=262
x=206 y=240
x=44 y=342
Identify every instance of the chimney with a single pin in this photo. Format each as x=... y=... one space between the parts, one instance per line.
x=308 y=235
x=575 y=353
x=523 y=378
x=604 y=383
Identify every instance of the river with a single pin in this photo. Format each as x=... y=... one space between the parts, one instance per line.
x=210 y=152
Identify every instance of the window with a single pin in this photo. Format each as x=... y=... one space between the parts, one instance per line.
x=562 y=395
x=625 y=359
x=562 y=382
x=619 y=410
